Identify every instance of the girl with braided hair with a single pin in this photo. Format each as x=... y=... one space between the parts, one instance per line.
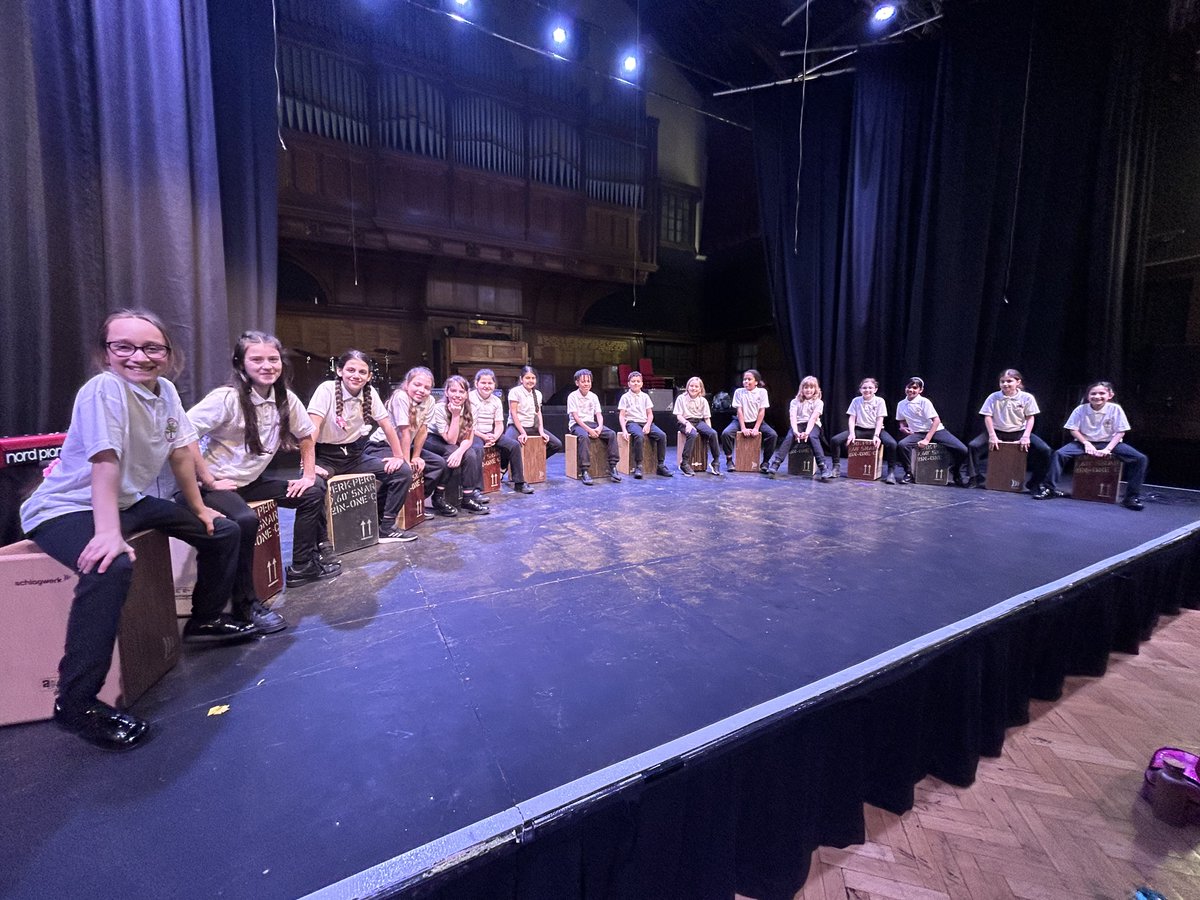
x=344 y=412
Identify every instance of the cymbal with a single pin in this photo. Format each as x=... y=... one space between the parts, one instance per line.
x=300 y=351
x=386 y=352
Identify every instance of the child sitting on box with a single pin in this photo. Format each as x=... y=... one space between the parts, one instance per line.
x=636 y=413
x=587 y=422
x=1098 y=428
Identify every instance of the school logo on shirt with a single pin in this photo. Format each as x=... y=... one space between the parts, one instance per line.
x=172 y=428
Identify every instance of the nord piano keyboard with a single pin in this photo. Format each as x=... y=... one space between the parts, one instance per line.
x=21 y=462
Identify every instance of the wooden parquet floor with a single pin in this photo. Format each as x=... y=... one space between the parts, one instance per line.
x=1058 y=815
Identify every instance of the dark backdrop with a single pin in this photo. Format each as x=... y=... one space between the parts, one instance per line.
x=121 y=185
x=964 y=206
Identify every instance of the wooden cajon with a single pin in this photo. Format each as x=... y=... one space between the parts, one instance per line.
x=352 y=512
x=747 y=452
x=1006 y=468
x=625 y=463
x=413 y=511
x=597 y=462
x=864 y=460
x=801 y=460
x=533 y=455
x=699 y=460
x=35 y=600
x=930 y=465
x=267 y=565
x=1097 y=478
x=491 y=469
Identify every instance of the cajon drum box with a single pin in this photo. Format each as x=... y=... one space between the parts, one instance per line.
x=624 y=462
x=491 y=469
x=1096 y=478
x=597 y=461
x=352 y=512
x=413 y=513
x=35 y=601
x=533 y=455
x=699 y=460
x=800 y=459
x=747 y=452
x=930 y=465
x=864 y=460
x=267 y=565
x=1006 y=468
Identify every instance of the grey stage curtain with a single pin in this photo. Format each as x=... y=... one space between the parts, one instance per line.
x=109 y=194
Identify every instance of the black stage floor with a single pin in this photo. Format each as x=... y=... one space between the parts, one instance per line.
x=442 y=692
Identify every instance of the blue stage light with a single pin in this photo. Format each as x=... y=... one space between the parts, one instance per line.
x=559 y=35
x=884 y=12
x=629 y=64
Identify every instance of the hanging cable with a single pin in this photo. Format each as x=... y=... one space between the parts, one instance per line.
x=1012 y=228
x=800 y=136
x=278 y=87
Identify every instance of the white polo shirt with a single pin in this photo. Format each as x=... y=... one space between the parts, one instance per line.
x=1009 y=413
x=587 y=408
x=689 y=407
x=488 y=414
x=219 y=415
x=801 y=412
x=750 y=402
x=638 y=407
x=1098 y=425
x=323 y=403
x=528 y=403
x=919 y=414
x=867 y=414
x=111 y=413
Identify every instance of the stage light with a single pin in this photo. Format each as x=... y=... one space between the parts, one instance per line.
x=559 y=35
x=458 y=9
x=629 y=64
x=884 y=12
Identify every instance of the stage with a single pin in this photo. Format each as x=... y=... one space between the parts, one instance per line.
x=667 y=687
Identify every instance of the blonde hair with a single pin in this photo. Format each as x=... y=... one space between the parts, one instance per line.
x=699 y=381
x=809 y=381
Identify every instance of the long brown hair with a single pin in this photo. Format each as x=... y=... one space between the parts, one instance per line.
x=240 y=382
x=468 y=421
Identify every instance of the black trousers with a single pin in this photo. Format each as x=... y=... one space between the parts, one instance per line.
x=308 y=533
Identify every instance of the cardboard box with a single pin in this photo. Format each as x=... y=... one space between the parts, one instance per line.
x=35 y=600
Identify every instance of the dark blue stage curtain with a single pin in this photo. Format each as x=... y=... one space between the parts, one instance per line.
x=110 y=195
x=965 y=207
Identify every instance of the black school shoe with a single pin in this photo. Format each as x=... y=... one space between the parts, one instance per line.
x=223 y=628
x=471 y=505
x=103 y=726
x=521 y=487
x=440 y=506
x=314 y=570
x=1135 y=503
x=266 y=620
